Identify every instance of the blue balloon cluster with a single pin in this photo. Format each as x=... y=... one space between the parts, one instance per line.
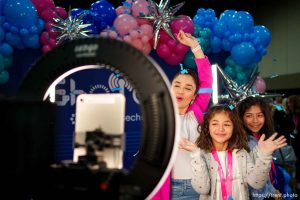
x=239 y=73
x=101 y=15
x=235 y=32
x=5 y=62
x=20 y=28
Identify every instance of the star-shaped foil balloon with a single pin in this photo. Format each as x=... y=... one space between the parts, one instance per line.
x=162 y=16
x=70 y=28
x=238 y=93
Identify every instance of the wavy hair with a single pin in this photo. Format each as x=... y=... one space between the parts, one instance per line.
x=243 y=106
x=238 y=139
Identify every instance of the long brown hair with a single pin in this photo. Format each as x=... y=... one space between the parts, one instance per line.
x=243 y=106
x=238 y=139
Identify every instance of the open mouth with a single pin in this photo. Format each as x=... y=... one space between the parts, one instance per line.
x=179 y=99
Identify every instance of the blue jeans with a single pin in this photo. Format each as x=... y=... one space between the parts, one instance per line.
x=183 y=190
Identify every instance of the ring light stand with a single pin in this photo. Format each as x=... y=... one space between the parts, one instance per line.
x=153 y=163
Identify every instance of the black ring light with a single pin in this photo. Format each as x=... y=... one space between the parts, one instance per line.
x=157 y=109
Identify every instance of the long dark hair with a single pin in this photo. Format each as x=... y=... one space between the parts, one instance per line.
x=238 y=139
x=243 y=106
x=192 y=74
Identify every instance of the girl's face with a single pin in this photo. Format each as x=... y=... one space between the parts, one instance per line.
x=254 y=119
x=184 y=87
x=220 y=128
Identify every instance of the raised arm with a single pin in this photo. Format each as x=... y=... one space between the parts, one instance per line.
x=257 y=174
x=201 y=102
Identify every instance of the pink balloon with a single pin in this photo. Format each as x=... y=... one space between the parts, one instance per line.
x=46 y=49
x=48 y=15
x=164 y=37
x=181 y=49
x=120 y=10
x=185 y=23
x=147 y=49
x=174 y=59
x=44 y=38
x=49 y=26
x=113 y=34
x=61 y=12
x=134 y=34
x=137 y=43
x=140 y=7
x=124 y=23
x=171 y=44
x=104 y=34
x=52 y=43
x=147 y=30
x=127 y=39
x=163 y=51
x=53 y=34
x=145 y=39
x=260 y=84
x=42 y=5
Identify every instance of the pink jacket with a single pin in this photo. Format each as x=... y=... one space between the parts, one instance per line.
x=198 y=107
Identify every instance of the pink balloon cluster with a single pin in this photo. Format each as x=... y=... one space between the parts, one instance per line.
x=260 y=84
x=130 y=29
x=47 y=11
x=170 y=50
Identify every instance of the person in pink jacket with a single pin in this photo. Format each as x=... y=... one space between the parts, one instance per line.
x=192 y=94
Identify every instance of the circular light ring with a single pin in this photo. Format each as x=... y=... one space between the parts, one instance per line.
x=152 y=86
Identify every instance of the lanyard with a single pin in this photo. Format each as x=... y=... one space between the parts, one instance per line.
x=226 y=184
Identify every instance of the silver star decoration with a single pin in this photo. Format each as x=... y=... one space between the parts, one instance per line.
x=238 y=93
x=70 y=28
x=162 y=16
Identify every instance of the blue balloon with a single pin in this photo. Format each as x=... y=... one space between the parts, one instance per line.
x=215 y=44
x=20 y=13
x=32 y=41
x=14 y=30
x=2 y=66
x=226 y=44
x=13 y=39
x=243 y=53
x=235 y=38
x=189 y=60
x=257 y=58
x=227 y=16
x=7 y=61
x=104 y=14
x=6 y=49
x=242 y=22
x=230 y=72
x=40 y=25
x=24 y=32
x=2 y=3
x=76 y=11
x=4 y=77
x=229 y=61
x=2 y=34
x=241 y=76
x=262 y=35
x=219 y=29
